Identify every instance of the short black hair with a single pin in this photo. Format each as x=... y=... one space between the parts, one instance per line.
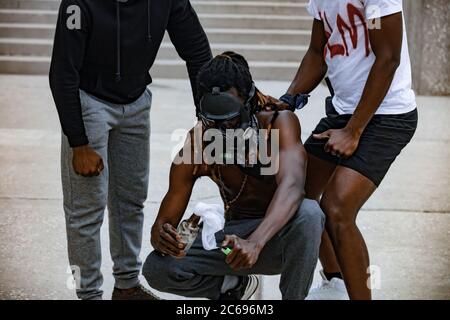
x=227 y=70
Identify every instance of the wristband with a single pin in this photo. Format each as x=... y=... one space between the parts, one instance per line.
x=296 y=102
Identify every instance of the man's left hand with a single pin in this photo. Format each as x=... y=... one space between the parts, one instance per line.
x=244 y=253
x=341 y=142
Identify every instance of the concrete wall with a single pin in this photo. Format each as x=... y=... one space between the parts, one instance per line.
x=428 y=27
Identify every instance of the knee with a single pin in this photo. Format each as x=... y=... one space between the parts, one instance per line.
x=338 y=215
x=312 y=212
x=167 y=274
x=155 y=270
x=309 y=218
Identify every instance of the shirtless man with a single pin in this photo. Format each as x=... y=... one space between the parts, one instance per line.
x=269 y=226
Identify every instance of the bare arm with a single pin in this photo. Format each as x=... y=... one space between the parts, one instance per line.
x=286 y=200
x=164 y=237
x=313 y=67
x=386 y=44
x=290 y=180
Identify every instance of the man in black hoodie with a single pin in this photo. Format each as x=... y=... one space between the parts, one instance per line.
x=102 y=54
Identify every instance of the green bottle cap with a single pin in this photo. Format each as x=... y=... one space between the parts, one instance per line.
x=226 y=251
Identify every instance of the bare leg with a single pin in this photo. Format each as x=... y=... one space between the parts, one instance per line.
x=317 y=177
x=342 y=199
x=327 y=256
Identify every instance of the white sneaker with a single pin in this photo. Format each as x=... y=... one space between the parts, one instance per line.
x=333 y=289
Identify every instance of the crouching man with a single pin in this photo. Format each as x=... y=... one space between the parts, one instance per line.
x=270 y=228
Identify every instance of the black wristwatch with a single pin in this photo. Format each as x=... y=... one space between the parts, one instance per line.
x=296 y=102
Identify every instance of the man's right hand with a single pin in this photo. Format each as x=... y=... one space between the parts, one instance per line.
x=166 y=240
x=86 y=162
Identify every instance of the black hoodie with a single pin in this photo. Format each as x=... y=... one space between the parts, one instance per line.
x=111 y=54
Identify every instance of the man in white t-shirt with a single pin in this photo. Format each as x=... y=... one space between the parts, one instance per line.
x=371 y=117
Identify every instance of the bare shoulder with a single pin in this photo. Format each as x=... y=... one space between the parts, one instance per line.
x=190 y=156
x=283 y=118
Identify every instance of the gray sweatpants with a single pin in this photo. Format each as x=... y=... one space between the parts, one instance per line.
x=120 y=135
x=293 y=252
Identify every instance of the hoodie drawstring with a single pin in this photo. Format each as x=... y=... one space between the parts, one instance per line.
x=149 y=35
x=118 y=72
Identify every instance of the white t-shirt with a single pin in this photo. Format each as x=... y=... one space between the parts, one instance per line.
x=350 y=58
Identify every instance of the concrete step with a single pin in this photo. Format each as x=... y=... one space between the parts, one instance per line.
x=28 y=16
x=288 y=7
x=43 y=47
x=268 y=70
x=276 y=53
x=219 y=35
x=209 y=20
x=25 y=47
x=27 y=30
x=31 y=4
x=251 y=7
x=24 y=65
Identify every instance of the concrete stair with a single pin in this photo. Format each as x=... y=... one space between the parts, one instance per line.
x=272 y=35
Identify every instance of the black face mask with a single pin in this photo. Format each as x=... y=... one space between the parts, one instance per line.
x=223 y=111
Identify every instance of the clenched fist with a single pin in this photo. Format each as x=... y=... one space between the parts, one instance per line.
x=86 y=162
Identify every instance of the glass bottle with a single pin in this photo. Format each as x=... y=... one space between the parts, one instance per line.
x=188 y=230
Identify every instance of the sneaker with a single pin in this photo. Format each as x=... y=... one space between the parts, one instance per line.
x=244 y=291
x=333 y=289
x=136 y=293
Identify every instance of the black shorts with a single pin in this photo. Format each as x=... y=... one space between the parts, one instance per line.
x=381 y=142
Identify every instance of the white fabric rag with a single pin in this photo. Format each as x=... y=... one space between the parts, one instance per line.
x=213 y=219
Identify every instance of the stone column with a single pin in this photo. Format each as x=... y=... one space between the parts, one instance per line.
x=428 y=28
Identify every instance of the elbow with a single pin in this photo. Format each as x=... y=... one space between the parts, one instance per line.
x=301 y=194
x=297 y=193
x=389 y=63
x=53 y=80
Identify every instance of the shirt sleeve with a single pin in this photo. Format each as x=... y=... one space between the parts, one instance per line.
x=312 y=9
x=189 y=39
x=67 y=60
x=381 y=8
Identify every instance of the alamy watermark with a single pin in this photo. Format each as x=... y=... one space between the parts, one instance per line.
x=232 y=147
x=73 y=22
x=73 y=280
x=374 y=281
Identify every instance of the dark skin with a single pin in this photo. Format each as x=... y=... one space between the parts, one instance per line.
x=86 y=162
x=284 y=190
x=342 y=191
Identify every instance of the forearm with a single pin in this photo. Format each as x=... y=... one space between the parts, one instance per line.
x=198 y=54
x=283 y=207
x=64 y=77
x=68 y=105
x=285 y=202
x=377 y=86
x=169 y=212
x=175 y=201
x=310 y=73
x=189 y=39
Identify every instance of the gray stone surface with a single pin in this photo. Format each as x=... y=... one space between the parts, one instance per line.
x=406 y=223
x=429 y=43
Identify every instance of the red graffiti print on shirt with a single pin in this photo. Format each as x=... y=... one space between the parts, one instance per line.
x=341 y=49
x=335 y=49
